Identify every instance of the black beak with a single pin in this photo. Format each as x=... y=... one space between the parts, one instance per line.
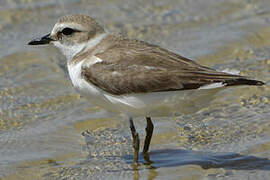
x=40 y=41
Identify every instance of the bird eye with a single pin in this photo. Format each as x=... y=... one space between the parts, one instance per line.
x=67 y=31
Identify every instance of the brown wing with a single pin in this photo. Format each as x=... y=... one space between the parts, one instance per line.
x=145 y=68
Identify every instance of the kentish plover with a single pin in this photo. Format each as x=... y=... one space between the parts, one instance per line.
x=132 y=77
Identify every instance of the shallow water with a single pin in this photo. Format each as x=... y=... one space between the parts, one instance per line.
x=48 y=131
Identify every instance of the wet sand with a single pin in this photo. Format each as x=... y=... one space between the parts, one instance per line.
x=48 y=131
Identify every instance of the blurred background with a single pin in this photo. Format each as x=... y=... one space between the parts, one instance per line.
x=47 y=131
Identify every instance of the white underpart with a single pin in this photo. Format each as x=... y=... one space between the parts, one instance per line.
x=212 y=86
x=131 y=101
x=77 y=80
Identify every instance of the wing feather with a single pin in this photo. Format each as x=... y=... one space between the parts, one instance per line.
x=138 y=67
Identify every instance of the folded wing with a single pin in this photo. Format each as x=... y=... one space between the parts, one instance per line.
x=148 y=68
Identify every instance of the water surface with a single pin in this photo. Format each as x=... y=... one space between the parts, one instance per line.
x=48 y=131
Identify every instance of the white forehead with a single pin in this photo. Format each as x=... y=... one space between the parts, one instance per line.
x=60 y=26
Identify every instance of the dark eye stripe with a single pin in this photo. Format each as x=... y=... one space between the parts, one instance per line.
x=67 y=31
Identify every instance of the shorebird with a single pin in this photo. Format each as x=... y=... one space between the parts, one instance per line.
x=133 y=77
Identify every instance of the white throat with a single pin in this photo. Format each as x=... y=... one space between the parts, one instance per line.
x=72 y=50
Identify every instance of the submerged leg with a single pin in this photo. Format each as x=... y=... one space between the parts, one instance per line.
x=136 y=141
x=149 y=131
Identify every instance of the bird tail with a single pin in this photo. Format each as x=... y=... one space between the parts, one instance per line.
x=243 y=81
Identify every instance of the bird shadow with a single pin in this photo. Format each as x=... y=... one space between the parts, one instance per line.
x=207 y=160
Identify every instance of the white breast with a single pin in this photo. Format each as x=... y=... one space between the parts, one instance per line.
x=79 y=83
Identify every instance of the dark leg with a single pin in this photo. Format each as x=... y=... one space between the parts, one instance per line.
x=149 y=131
x=136 y=141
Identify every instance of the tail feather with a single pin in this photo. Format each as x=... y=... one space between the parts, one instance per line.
x=243 y=81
